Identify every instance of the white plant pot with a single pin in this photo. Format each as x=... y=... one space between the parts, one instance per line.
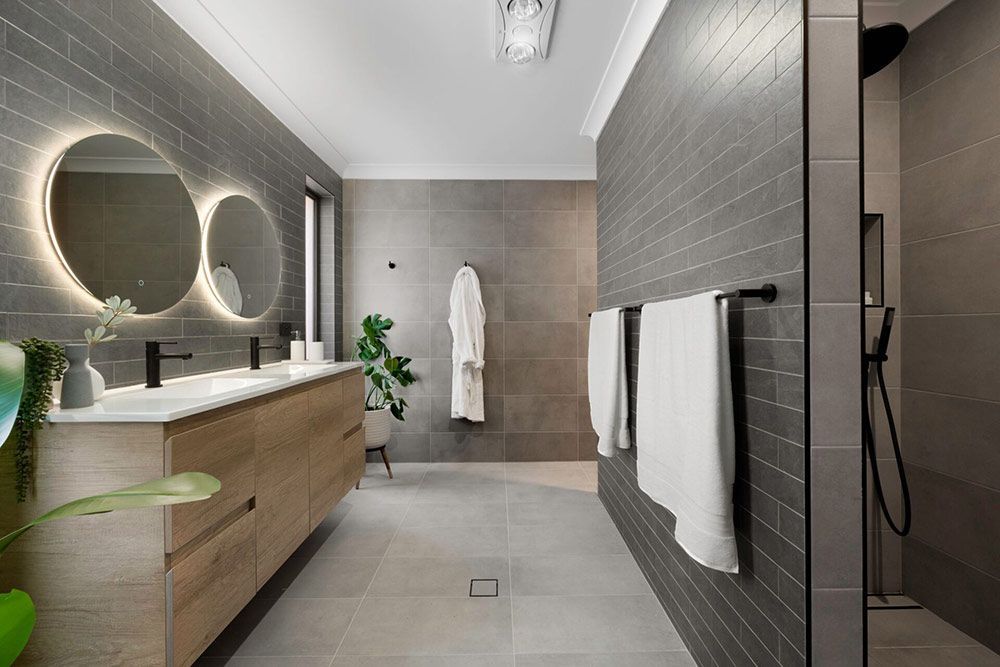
x=378 y=427
x=97 y=382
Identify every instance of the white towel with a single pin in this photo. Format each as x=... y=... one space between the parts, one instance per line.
x=468 y=354
x=685 y=434
x=606 y=383
x=227 y=286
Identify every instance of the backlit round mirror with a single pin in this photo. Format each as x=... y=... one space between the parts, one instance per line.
x=123 y=223
x=241 y=256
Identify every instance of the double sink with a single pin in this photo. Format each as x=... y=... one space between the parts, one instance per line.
x=183 y=397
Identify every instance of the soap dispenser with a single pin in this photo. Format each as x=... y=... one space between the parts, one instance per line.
x=298 y=347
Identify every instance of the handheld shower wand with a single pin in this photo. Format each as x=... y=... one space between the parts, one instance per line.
x=878 y=358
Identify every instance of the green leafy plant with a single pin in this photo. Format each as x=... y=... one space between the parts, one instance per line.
x=109 y=317
x=17 y=611
x=384 y=370
x=44 y=363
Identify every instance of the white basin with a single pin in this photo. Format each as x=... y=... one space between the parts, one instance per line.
x=204 y=388
x=290 y=369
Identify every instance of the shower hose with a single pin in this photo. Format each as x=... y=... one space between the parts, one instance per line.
x=869 y=437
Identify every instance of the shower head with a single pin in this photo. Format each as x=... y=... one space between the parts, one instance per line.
x=881 y=44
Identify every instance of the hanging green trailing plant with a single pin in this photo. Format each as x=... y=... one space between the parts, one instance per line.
x=383 y=369
x=44 y=363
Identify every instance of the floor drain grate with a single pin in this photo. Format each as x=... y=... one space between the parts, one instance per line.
x=484 y=588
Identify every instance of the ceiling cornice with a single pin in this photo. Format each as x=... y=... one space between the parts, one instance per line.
x=639 y=26
x=232 y=56
x=495 y=172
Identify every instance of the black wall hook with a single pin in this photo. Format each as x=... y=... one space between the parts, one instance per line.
x=392 y=264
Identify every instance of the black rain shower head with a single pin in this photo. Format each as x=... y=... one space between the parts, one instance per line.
x=881 y=44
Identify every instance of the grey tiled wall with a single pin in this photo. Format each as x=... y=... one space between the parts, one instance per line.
x=76 y=68
x=532 y=245
x=836 y=548
x=700 y=186
x=950 y=159
x=881 y=136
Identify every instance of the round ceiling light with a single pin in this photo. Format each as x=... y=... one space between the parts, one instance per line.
x=524 y=10
x=520 y=53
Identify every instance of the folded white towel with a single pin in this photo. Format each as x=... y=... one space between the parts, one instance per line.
x=606 y=383
x=684 y=423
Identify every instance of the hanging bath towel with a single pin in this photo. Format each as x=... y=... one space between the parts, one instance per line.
x=467 y=320
x=227 y=286
x=685 y=455
x=606 y=384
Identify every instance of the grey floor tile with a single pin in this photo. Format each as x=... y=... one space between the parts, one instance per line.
x=292 y=661
x=449 y=542
x=366 y=532
x=654 y=659
x=464 y=473
x=563 y=513
x=287 y=627
x=948 y=656
x=577 y=575
x=437 y=577
x=430 y=626
x=586 y=624
x=321 y=578
x=485 y=492
x=456 y=514
x=425 y=661
x=912 y=627
x=580 y=539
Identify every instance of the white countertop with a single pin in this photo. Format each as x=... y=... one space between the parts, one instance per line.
x=186 y=396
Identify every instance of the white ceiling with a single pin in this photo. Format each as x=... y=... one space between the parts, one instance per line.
x=910 y=13
x=410 y=88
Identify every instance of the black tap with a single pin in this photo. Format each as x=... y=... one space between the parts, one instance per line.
x=255 y=348
x=153 y=357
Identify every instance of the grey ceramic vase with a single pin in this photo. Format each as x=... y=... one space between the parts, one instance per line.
x=77 y=388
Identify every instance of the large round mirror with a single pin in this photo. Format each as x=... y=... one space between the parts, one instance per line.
x=123 y=222
x=241 y=256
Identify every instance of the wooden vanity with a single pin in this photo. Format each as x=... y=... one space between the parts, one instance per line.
x=156 y=586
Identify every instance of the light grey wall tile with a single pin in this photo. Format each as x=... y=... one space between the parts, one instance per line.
x=466 y=195
x=466 y=229
x=539 y=195
x=391 y=195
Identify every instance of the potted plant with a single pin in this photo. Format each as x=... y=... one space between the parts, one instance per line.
x=384 y=371
x=113 y=313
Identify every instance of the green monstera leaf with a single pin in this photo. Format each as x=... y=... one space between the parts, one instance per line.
x=17 y=620
x=17 y=611
x=186 y=487
x=11 y=386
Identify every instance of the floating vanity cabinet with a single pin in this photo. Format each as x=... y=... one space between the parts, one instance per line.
x=156 y=586
x=281 y=434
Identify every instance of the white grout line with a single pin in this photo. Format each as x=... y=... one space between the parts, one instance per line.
x=381 y=562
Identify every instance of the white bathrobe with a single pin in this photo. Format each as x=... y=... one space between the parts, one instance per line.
x=467 y=320
x=227 y=286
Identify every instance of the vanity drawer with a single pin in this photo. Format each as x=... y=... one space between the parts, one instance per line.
x=354 y=400
x=354 y=457
x=208 y=588
x=223 y=449
x=282 y=443
x=325 y=450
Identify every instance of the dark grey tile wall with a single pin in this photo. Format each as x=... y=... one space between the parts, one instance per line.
x=950 y=137
x=532 y=243
x=836 y=510
x=75 y=68
x=881 y=143
x=700 y=186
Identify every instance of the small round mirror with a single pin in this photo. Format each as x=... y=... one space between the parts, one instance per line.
x=123 y=223
x=241 y=256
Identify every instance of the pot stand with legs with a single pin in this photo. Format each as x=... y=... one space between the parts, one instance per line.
x=378 y=430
